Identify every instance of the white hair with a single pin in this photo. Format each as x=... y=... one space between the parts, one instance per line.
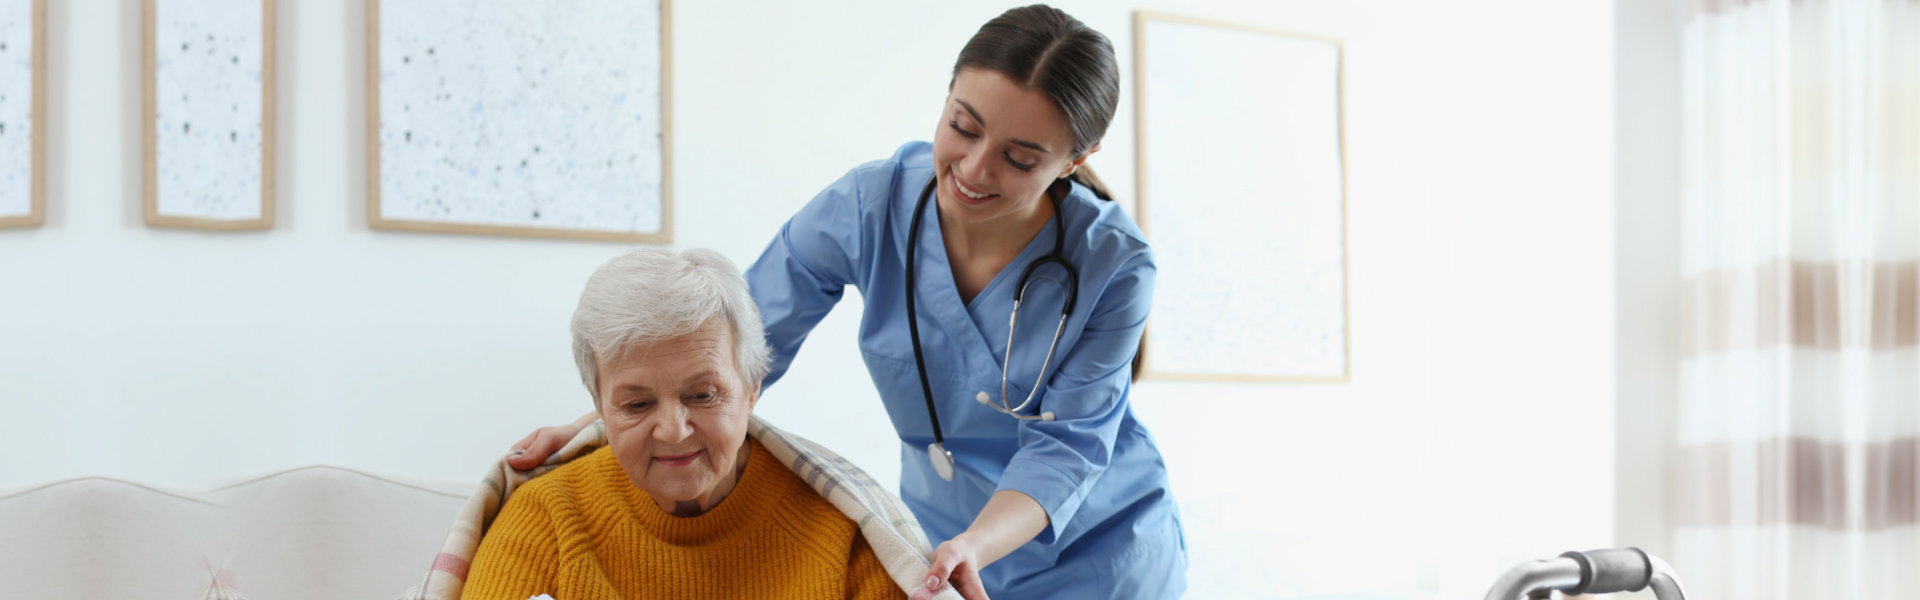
x=648 y=295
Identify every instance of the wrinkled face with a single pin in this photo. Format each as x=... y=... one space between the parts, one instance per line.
x=676 y=415
x=998 y=147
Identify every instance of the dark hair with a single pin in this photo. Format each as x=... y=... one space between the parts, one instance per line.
x=1043 y=48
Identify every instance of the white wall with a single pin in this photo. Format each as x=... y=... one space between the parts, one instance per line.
x=1477 y=431
x=1647 y=251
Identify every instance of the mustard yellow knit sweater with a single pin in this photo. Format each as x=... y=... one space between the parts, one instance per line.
x=584 y=532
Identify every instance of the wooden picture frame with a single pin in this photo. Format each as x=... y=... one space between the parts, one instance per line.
x=198 y=180
x=506 y=156
x=33 y=144
x=1244 y=129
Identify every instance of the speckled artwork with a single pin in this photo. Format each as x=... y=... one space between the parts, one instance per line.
x=208 y=120
x=1237 y=168
x=16 y=107
x=527 y=114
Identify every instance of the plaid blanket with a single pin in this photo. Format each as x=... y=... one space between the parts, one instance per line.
x=892 y=531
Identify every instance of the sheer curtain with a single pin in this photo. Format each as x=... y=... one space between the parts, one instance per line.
x=1800 y=378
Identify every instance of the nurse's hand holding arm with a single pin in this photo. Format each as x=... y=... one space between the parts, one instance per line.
x=1010 y=519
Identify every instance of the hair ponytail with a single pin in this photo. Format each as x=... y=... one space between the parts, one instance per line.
x=1086 y=177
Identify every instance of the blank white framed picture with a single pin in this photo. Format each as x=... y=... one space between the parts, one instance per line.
x=209 y=97
x=535 y=118
x=1242 y=192
x=23 y=102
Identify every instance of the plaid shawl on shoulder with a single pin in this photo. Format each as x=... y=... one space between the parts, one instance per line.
x=892 y=531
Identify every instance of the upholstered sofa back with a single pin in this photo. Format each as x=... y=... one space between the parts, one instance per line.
x=311 y=532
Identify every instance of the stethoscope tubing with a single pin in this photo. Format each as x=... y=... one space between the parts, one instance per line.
x=913 y=321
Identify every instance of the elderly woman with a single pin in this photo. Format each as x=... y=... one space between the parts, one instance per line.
x=680 y=503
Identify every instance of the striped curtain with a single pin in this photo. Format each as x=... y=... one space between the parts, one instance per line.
x=1799 y=407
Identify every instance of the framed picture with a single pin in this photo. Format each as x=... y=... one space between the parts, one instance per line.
x=1241 y=162
x=539 y=118
x=209 y=113
x=23 y=112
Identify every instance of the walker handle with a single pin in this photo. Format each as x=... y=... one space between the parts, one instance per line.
x=1611 y=570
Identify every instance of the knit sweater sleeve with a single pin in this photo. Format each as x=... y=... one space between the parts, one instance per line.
x=518 y=557
x=867 y=579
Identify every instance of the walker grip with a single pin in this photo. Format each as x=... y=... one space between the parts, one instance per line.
x=1612 y=570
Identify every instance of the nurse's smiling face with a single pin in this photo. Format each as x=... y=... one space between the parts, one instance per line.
x=997 y=148
x=676 y=417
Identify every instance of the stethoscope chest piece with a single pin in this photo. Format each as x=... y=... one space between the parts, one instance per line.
x=942 y=460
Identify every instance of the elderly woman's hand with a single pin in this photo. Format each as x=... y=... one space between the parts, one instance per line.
x=956 y=560
x=534 y=449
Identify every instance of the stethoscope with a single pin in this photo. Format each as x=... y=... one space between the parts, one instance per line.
x=937 y=451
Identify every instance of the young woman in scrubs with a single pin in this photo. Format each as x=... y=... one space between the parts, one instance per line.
x=1073 y=507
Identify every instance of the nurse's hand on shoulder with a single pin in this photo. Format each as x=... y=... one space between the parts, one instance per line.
x=956 y=561
x=534 y=449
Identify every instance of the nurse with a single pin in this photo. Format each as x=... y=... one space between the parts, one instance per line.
x=1067 y=497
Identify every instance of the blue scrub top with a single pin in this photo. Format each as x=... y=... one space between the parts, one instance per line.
x=1114 y=532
